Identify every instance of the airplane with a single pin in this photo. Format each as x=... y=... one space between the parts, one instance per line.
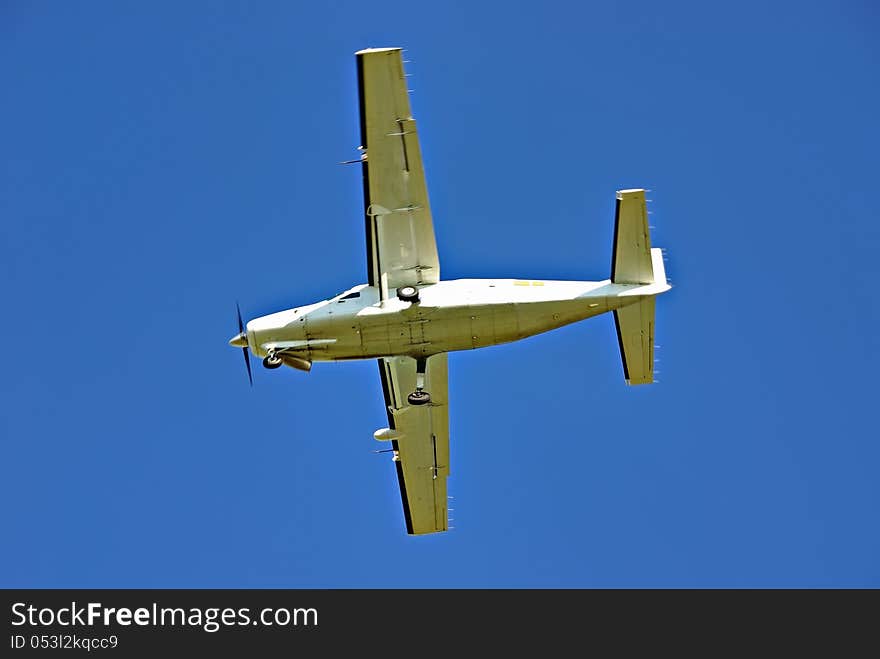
x=407 y=318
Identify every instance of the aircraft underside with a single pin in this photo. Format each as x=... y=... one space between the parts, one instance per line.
x=407 y=318
x=361 y=328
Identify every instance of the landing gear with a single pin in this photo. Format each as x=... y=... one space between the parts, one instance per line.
x=272 y=360
x=420 y=396
x=408 y=294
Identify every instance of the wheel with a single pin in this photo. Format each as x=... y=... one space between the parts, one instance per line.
x=408 y=293
x=419 y=398
x=272 y=362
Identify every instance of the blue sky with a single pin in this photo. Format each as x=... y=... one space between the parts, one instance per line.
x=160 y=161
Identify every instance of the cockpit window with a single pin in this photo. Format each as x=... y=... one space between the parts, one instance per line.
x=350 y=296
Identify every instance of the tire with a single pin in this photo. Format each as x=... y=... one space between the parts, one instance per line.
x=419 y=398
x=272 y=365
x=408 y=293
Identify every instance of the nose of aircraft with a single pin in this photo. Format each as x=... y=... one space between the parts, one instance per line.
x=239 y=340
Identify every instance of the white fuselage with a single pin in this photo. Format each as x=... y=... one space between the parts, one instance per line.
x=451 y=315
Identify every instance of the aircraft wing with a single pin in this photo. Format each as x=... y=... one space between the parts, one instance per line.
x=422 y=450
x=401 y=249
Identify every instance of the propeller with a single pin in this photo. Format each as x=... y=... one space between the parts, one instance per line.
x=240 y=341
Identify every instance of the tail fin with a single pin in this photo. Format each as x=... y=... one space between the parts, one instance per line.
x=631 y=255
x=634 y=262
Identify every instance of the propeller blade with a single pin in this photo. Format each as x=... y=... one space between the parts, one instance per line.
x=247 y=363
x=245 y=351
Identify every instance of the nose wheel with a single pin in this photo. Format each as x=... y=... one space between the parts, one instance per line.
x=420 y=396
x=272 y=360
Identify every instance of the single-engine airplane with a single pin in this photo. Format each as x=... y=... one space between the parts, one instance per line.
x=407 y=318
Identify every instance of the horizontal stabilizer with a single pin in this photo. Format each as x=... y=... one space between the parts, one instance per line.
x=635 y=334
x=631 y=256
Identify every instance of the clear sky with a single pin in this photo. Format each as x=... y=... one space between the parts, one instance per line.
x=159 y=161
